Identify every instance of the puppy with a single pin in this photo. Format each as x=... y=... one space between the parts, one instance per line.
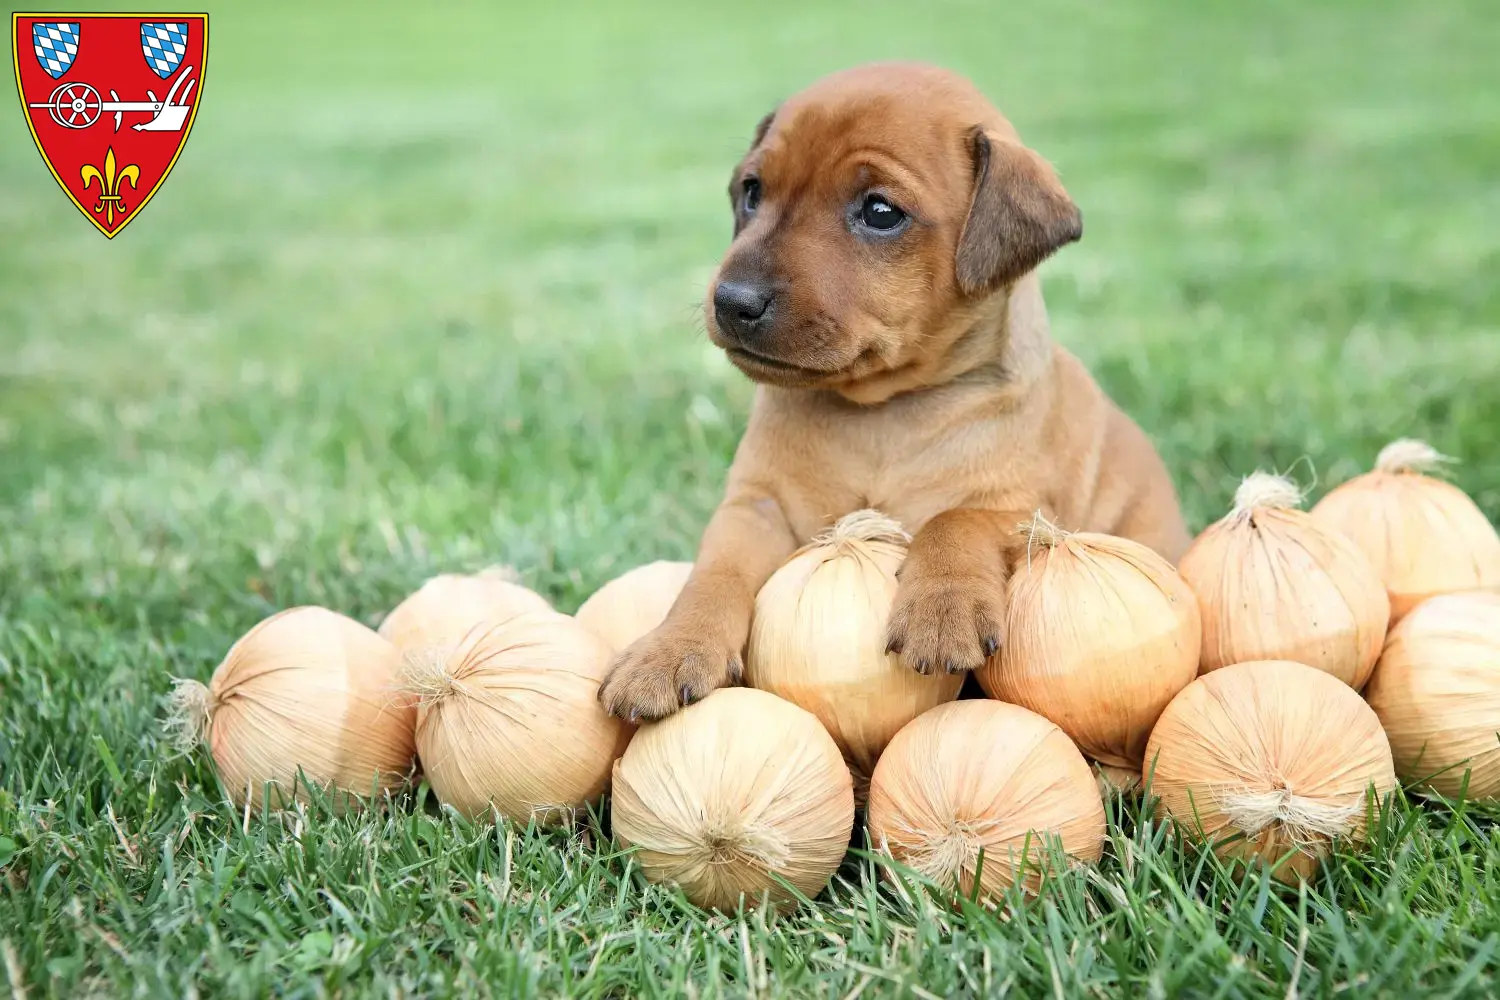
x=879 y=288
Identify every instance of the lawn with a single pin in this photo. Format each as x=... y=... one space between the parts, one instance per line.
x=422 y=295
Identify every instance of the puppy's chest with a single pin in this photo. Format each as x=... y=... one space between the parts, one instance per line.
x=907 y=470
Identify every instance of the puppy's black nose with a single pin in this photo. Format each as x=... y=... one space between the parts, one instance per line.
x=743 y=307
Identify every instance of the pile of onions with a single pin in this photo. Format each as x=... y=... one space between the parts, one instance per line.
x=817 y=639
x=307 y=697
x=445 y=608
x=634 y=603
x=1437 y=692
x=983 y=776
x=1270 y=761
x=509 y=719
x=731 y=794
x=1275 y=584
x=1101 y=633
x=1423 y=535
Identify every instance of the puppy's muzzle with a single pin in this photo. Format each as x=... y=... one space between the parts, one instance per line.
x=744 y=309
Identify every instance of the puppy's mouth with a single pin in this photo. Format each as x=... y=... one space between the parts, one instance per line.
x=764 y=368
x=768 y=362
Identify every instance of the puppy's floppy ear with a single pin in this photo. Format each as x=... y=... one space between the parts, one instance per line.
x=1018 y=216
x=760 y=134
x=739 y=170
x=763 y=127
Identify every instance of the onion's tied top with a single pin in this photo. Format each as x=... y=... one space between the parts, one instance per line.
x=1261 y=490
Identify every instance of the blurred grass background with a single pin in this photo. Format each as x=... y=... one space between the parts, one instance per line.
x=422 y=294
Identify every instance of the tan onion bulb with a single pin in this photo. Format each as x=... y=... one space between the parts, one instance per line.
x=1437 y=692
x=509 y=719
x=817 y=639
x=445 y=608
x=1423 y=535
x=1100 y=634
x=1118 y=780
x=1275 y=584
x=983 y=776
x=732 y=794
x=306 y=692
x=634 y=603
x=1270 y=761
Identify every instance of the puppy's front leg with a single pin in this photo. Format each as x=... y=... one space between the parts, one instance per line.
x=949 y=612
x=699 y=646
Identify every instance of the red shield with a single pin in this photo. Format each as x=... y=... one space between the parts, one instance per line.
x=110 y=99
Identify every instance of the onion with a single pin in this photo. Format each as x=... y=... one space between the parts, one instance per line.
x=445 y=608
x=817 y=639
x=731 y=794
x=1275 y=584
x=1116 y=779
x=634 y=603
x=1424 y=536
x=1437 y=692
x=306 y=691
x=509 y=720
x=1270 y=761
x=1100 y=634
x=980 y=775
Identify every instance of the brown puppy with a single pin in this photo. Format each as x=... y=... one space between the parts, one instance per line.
x=879 y=287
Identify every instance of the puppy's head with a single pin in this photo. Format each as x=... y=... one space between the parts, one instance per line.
x=874 y=215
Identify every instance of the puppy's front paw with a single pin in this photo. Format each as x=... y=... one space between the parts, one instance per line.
x=950 y=623
x=665 y=670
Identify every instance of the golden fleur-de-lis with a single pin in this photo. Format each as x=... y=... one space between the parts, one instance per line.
x=110 y=203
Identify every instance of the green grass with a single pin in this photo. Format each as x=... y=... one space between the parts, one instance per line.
x=422 y=295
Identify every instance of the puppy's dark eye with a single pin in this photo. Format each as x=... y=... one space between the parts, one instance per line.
x=879 y=214
x=750 y=197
